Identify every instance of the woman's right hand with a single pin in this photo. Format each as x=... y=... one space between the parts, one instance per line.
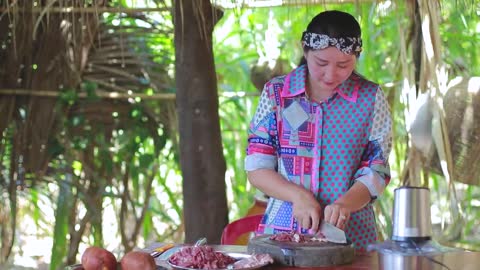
x=307 y=211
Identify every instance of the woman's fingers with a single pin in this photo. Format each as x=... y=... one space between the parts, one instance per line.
x=331 y=214
x=306 y=222
x=309 y=220
x=337 y=215
x=307 y=212
x=342 y=220
x=334 y=217
x=308 y=216
x=327 y=213
x=315 y=221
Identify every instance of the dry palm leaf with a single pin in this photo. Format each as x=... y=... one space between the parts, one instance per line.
x=110 y=56
x=117 y=63
x=462 y=117
x=443 y=147
x=433 y=82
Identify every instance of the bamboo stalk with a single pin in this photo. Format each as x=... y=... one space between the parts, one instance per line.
x=83 y=10
x=112 y=95
x=109 y=95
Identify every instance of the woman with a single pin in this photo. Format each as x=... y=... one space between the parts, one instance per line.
x=320 y=139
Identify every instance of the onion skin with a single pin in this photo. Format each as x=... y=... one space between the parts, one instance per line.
x=135 y=260
x=97 y=258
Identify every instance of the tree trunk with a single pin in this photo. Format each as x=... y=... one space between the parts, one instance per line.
x=201 y=156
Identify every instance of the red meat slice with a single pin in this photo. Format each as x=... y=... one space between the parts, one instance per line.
x=201 y=257
x=297 y=238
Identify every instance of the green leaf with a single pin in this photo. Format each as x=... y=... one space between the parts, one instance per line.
x=146 y=160
x=36 y=208
x=90 y=88
x=60 y=231
x=69 y=96
x=147 y=225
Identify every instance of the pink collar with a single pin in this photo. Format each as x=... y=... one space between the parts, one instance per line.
x=295 y=84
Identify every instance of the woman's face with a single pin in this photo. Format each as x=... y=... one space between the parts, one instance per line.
x=329 y=67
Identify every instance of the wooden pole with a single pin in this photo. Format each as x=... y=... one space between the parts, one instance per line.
x=109 y=95
x=115 y=95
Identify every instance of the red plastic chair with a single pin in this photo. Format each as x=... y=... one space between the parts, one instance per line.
x=238 y=232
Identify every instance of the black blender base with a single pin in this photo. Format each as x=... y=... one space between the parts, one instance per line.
x=411 y=239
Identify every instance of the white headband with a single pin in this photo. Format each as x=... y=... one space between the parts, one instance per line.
x=348 y=45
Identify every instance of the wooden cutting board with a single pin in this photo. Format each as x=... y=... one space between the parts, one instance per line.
x=311 y=254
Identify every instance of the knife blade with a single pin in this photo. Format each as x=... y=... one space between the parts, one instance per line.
x=332 y=233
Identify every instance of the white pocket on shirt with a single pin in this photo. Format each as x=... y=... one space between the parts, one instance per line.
x=295 y=115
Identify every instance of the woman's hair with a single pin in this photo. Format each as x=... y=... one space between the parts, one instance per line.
x=335 y=24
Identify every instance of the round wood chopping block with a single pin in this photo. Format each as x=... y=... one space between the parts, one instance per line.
x=310 y=254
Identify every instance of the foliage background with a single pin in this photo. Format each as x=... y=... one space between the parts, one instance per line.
x=245 y=39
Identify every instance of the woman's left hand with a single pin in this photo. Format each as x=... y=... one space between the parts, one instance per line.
x=337 y=214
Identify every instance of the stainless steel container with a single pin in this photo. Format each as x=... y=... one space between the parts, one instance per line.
x=412 y=247
x=411 y=214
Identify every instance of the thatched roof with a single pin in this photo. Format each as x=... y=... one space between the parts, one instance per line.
x=273 y=3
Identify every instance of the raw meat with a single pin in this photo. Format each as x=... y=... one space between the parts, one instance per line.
x=254 y=261
x=297 y=238
x=201 y=257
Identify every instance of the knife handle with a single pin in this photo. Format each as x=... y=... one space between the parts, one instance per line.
x=159 y=250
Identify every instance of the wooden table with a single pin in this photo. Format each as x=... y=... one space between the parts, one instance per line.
x=362 y=261
x=365 y=261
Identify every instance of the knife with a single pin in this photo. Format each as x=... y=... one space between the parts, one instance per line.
x=332 y=233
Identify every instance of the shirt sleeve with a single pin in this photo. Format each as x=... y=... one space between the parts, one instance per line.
x=374 y=171
x=262 y=135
